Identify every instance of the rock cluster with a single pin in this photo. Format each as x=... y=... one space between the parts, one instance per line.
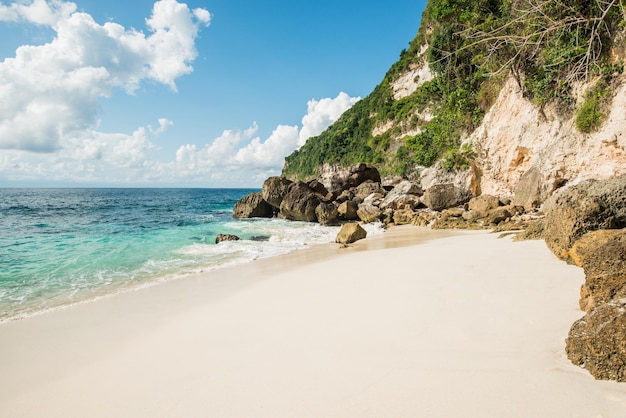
x=359 y=194
x=586 y=225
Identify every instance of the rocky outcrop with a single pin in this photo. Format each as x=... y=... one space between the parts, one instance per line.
x=597 y=342
x=300 y=203
x=586 y=225
x=253 y=206
x=585 y=207
x=226 y=237
x=350 y=233
x=274 y=190
x=602 y=254
x=401 y=202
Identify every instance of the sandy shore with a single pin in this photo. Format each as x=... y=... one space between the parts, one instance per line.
x=415 y=323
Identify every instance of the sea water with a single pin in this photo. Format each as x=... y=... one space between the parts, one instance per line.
x=64 y=246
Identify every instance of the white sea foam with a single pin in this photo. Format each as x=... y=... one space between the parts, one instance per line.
x=261 y=238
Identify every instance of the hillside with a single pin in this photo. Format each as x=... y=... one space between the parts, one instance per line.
x=496 y=85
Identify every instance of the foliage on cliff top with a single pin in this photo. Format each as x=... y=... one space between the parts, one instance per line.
x=472 y=45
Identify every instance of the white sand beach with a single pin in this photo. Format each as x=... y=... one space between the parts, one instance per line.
x=461 y=324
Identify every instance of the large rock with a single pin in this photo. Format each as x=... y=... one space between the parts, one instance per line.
x=369 y=213
x=367 y=188
x=350 y=233
x=253 y=206
x=347 y=210
x=404 y=194
x=274 y=190
x=597 y=342
x=444 y=196
x=327 y=213
x=320 y=189
x=483 y=203
x=528 y=191
x=602 y=254
x=585 y=207
x=360 y=173
x=403 y=217
x=299 y=203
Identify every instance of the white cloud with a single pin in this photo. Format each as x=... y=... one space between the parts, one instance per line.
x=321 y=114
x=49 y=104
x=49 y=93
x=271 y=153
x=236 y=158
x=40 y=12
x=240 y=151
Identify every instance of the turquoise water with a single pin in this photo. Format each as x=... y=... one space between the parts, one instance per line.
x=62 y=246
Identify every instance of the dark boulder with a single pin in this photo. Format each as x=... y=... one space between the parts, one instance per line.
x=299 y=203
x=275 y=189
x=321 y=190
x=327 y=214
x=360 y=173
x=253 y=206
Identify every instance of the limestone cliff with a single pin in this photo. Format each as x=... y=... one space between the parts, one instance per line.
x=516 y=137
x=494 y=117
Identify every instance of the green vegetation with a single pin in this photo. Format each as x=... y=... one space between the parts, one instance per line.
x=590 y=114
x=473 y=45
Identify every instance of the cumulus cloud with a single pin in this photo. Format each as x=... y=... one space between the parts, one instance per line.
x=49 y=93
x=236 y=150
x=49 y=104
x=236 y=158
x=321 y=114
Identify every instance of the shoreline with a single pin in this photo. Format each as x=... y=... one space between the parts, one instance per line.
x=390 y=326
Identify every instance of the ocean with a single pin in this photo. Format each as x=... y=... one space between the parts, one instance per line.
x=59 y=247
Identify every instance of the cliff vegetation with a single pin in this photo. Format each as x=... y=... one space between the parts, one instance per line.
x=441 y=87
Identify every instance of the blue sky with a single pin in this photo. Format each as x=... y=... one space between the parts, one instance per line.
x=190 y=94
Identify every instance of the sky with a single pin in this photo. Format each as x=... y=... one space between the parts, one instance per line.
x=167 y=93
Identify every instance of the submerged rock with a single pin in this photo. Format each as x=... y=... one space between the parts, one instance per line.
x=226 y=237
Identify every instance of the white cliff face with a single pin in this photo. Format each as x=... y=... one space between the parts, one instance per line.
x=516 y=136
x=410 y=81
